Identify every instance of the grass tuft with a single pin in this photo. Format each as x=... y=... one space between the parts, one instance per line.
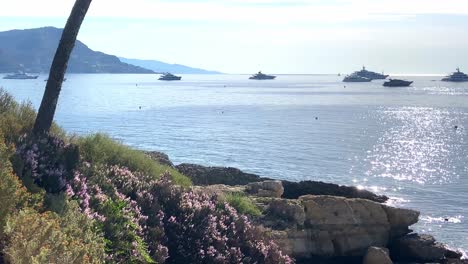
x=100 y=148
x=242 y=203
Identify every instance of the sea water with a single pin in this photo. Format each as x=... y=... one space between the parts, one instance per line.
x=409 y=143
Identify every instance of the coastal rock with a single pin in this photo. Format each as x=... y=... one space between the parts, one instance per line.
x=316 y=221
x=266 y=189
x=321 y=226
x=418 y=248
x=353 y=225
x=333 y=210
x=377 y=255
x=453 y=254
x=290 y=211
x=305 y=243
x=293 y=190
x=160 y=157
x=202 y=175
x=218 y=189
x=335 y=228
x=400 y=219
x=455 y=261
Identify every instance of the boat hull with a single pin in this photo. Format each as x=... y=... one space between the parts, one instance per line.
x=170 y=79
x=398 y=84
x=263 y=78
x=20 y=78
x=454 y=80
x=368 y=80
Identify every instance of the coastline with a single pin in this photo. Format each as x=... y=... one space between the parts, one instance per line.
x=323 y=222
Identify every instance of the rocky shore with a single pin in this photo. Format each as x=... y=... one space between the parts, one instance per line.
x=201 y=175
x=317 y=222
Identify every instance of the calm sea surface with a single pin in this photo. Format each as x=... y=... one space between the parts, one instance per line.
x=397 y=141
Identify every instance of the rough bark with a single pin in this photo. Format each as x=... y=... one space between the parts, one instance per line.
x=59 y=66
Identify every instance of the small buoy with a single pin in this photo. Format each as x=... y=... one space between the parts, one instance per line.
x=446 y=219
x=316 y=118
x=139 y=107
x=455 y=127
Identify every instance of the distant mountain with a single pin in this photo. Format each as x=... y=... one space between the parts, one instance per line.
x=32 y=50
x=160 y=67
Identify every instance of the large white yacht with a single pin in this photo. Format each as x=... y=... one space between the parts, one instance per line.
x=457 y=76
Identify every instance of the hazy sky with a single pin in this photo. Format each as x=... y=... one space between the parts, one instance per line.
x=276 y=36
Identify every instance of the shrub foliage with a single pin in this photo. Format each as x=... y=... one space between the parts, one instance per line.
x=242 y=204
x=12 y=192
x=100 y=148
x=34 y=237
x=165 y=223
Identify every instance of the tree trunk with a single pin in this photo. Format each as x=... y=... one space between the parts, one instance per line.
x=59 y=66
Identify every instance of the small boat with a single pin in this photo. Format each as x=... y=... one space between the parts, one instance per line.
x=457 y=76
x=370 y=74
x=261 y=76
x=397 y=83
x=169 y=77
x=20 y=76
x=355 y=78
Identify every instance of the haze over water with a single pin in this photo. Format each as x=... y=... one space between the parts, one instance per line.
x=401 y=142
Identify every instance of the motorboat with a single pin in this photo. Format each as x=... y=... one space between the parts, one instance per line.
x=397 y=83
x=169 y=77
x=261 y=76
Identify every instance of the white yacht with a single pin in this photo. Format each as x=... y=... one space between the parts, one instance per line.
x=457 y=76
x=20 y=76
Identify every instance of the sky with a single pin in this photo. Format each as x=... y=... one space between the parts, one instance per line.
x=275 y=36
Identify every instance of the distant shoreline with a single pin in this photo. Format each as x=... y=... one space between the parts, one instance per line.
x=280 y=74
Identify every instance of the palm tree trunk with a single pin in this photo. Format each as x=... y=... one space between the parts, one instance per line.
x=59 y=66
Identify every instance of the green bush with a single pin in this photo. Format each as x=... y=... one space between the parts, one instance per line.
x=18 y=119
x=33 y=237
x=12 y=192
x=100 y=148
x=15 y=119
x=242 y=204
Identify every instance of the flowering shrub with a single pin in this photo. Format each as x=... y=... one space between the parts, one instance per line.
x=49 y=162
x=158 y=221
x=118 y=216
x=198 y=230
